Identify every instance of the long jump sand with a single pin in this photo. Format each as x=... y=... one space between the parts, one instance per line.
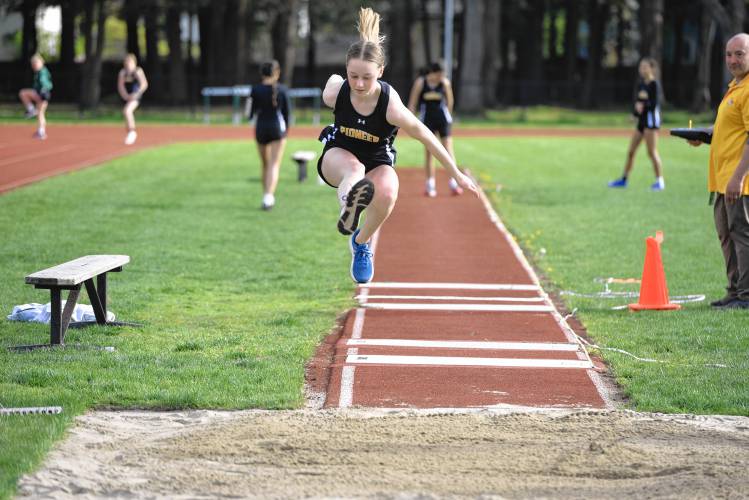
x=368 y=454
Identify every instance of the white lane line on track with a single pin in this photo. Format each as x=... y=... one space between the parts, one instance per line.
x=364 y=298
x=457 y=307
x=346 y=397
x=452 y=286
x=561 y=321
x=361 y=359
x=38 y=154
x=469 y=344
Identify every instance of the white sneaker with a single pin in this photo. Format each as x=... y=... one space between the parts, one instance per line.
x=130 y=137
x=430 y=190
x=268 y=201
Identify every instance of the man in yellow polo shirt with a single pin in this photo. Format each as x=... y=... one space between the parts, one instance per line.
x=729 y=164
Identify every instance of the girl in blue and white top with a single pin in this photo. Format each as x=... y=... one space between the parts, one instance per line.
x=270 y=102
x=432 y=101
x=359 y=158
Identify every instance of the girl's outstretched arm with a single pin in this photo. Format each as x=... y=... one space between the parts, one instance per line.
x=400 y=116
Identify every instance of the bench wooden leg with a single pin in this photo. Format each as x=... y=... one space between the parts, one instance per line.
x=60 y=319
x=98 y=299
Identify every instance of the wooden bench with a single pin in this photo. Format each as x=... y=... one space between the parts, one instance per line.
x=302 y=158
x=71 y=276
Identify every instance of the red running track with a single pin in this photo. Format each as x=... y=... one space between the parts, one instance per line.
x=455 y=318
x=24 y=160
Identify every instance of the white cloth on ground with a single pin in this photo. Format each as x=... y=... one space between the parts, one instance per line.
x=41 y=313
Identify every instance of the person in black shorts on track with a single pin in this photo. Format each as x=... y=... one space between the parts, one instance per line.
x=270 y=103
x=131 y=84
x=358 y=157
x=432 y=101
x=36 y=99
x=648 y=114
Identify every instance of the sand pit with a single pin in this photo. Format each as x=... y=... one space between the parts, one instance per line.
x=365 y=454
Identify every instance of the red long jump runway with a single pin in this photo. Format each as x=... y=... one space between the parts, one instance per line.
x=455 y=318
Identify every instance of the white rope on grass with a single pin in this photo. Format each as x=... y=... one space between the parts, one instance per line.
x=587 y=344
x=610 y=294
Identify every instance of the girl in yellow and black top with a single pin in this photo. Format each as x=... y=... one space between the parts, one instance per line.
x=359 y=158
x=131 y=84
x=36 y=99
x=648 y=113
x=432 y=101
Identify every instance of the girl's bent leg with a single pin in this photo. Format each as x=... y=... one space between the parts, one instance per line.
x=386 y=185
x=341 y=168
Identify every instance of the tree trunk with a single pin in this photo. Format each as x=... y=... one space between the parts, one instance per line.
x=491 y=61
x=177 y=83
x=91 y=74
x=572 y=18
x=311 y=44
x=701 y=98
x=283 y=35
x=132 y=14
x=243 y=41
x=399 y=42
x=205 y=23
x=153 y=61
x=597 y=22
x=651 y=22
x=426 y=31
x=69 y=9
x=471 y=86
x=29 y=36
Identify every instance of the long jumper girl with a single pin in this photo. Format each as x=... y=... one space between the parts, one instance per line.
x=359 y=157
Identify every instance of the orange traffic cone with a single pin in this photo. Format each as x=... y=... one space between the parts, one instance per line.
x=653 y=289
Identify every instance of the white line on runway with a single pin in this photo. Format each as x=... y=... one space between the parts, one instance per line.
x=470 y=344
x=458 y=307
x=363 y=298
x=362 y=359
x=451 y=286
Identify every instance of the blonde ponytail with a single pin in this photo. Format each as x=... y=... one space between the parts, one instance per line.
x=369 y=26
x=369 y=46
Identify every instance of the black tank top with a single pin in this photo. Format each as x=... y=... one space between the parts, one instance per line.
x=131 y=82
x=432 y=100
x=355 y=132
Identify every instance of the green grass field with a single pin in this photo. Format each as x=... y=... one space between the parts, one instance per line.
x=234 y=300
x=221 y=113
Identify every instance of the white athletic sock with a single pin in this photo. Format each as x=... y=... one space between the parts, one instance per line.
x=430 y=183
x=30 y=108
x=660 y=181
x=269 y=200
x=42 y=131
x=453 y=183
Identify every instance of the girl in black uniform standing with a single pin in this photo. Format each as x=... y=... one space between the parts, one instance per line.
x=648 y=114
x=270 y=103
x=432 y=101
x=131 y=84
x=359 y=157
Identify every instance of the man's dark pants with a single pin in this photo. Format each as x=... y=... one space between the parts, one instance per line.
x=732 y=224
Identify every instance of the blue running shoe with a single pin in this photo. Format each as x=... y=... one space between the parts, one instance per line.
x=658 y=186
x=362 y=267
x=619 y=183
